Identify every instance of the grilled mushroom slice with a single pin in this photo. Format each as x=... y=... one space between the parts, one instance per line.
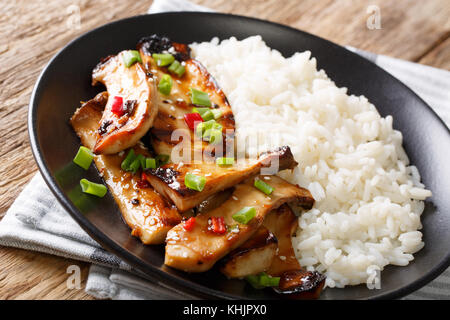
x=169 y=180
x=198 y=249
x=282 y=223
x=148 y=215
x=173 y=107
x=131 y=107
x=253 y=257
x=301 y=284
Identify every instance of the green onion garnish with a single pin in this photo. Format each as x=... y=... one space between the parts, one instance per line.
x=142 y=159
x=95 y=189
x=222 y=161
x=150 y=163
x=216 y=113
x=203 y=127
x=268 y=281
x=205 y=113
x=208 y=115
x=245 y=215
x=262 y=186
x=137 y=163
x=194 y=182
x=163 y=59
x=162 y=159
x=200 y=110
x=128 y=160
x=263 y=280
x=200 y=98
x=254 y=281
x=165 y=84
x=84 y=157
x=177 y=68
x=133 y=162
x=214 y=136
x=130 y=57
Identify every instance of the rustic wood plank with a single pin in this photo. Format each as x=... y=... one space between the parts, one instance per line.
x=30 y=275
x=409 y=28
x=32 y=31
x=36 y=30
x=439 y=56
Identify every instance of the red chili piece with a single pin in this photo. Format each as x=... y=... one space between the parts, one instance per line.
x=189 y=224
x=117 y=106
x=218 y=225
x=192 y=119
x=143 y=183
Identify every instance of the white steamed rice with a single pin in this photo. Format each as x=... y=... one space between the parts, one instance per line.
x=368 y=198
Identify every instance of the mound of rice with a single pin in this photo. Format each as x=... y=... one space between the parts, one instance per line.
x=369 y=199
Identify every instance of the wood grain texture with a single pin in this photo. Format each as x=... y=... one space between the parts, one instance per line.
x=438 y=56
x=33 y=31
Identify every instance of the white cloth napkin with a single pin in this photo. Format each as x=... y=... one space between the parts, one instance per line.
x=36 y=221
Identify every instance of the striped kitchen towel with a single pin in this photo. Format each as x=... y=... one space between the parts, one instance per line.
x=36 y=221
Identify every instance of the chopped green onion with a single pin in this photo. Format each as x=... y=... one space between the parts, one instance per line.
x=95 y=189
x=245 y=215
x=222 y=161
x=128 y=160
x=216 y=126
x=205 y=113
x=214 y=136
x=162 y=159
x=130 y=57
x=254 y=281
x=194 y=182
x=165 y=84
x=137 y=163
x=263 y=280
x=84 y=157
x=208 y=115
x=142 y=161
x=203 y=127
x=210 y=131
x=200 y=98
x=262 y=186
x=177 y=68
x=163 y=59
x=216 y=113
x=268 y=281
x=150 y=163
x=200 y=110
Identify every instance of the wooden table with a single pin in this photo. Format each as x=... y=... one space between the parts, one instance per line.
x=33 y=31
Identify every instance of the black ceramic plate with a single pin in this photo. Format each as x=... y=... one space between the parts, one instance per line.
x=66 y=81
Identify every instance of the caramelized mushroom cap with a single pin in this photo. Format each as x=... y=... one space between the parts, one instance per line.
x=301 y=284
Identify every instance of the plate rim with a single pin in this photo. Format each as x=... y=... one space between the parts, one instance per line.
x=128 y=257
